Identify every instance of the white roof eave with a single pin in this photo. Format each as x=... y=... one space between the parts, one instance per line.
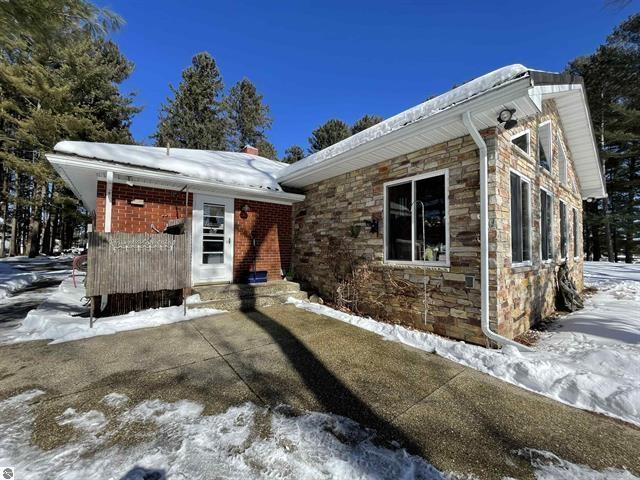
x=66 y=163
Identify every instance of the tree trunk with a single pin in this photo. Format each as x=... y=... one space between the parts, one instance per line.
x=607 y=230
x=35 y=222
x=13 y=245
x=46 y=232
x=5 y=211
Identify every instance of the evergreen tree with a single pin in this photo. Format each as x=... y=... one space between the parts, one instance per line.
x=293 y=154
x=249 y=117
x=266 y=149
x=58 y=80
x=612 y=79
x=365 y=122
x=194 y=117
x=327 y=134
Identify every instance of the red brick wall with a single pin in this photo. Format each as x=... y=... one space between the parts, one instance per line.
x=272 y=226
x=159 y=207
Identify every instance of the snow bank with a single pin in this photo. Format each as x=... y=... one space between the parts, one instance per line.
x=232 y=168
x=62 y=318
x=12 y=279
x=594 y=370
x=424 y=110
x=246 y=441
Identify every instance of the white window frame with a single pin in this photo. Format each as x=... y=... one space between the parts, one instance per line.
x=540 y=126
x=412 y=180
x=563 y=166
x=526 y=132
x=552 y=220
x=525 y=179
x=566 y=225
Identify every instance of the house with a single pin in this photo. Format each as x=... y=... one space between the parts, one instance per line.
x=454 y=214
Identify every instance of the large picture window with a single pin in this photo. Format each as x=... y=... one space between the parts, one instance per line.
x=546 y=225
x=405 y=223
x=520 y=220
x=576 y=234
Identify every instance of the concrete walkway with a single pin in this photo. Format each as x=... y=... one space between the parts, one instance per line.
x=458 y=419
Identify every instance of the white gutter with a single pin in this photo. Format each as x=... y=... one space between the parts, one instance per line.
x=484 y=240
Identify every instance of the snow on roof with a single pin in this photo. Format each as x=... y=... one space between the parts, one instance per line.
x=231 y=168
x=419 y=112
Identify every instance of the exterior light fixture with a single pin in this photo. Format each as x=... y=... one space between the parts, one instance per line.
x=245 y=208
x=506 y=116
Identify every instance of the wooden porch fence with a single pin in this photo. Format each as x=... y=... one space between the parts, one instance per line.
x=134 y=265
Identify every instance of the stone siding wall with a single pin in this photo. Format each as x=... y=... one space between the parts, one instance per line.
x=329 y=227
x=525 y=294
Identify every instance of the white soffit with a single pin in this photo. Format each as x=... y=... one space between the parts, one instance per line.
x=576 y=122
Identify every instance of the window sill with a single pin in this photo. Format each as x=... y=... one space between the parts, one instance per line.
x=517 y=150
x=521 y=267
x=416 y=265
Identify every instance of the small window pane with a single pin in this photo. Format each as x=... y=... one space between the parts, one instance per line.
x=431 y=192
x=546 y=232
x=399 y=222
x=212 y=258
x=563 y=230
x=520 y=218
x=209 y=246
x=544 y=146
x=576 y=234
x=522 y=142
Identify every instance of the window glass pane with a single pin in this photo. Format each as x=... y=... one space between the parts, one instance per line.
x=526 y=222
x=546 y=234
x=562 y=164
x=516 y=219
x=522 y=142
x=431 y=192
x=576 y=234
x=209 y=246
x=399 y=222
x=563 y=230
x=209 y=258
x=544 y=146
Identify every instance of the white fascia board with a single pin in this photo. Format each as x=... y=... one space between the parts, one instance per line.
x=541 y=92
x=497 y=97
x=156 y=177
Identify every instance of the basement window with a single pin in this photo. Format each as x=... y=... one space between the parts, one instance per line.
x=520 y=220
x=405 y=224
x=546 y=225
x=521 y=141
x=545 y=141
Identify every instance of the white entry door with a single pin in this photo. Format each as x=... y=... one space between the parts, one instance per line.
x=212 y=239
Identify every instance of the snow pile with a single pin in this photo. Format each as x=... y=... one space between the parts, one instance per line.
x=232 y=168
x=592 y=363
x=424 y=110
x=12 y=279
x=62 y=317
x=246 y=441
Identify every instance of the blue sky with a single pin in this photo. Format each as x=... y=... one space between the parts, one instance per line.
x=341 y=59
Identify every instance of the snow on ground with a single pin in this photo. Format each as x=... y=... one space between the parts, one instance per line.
x=14 y=276
x=589 y=361
x=62 y=317
x=246 y=441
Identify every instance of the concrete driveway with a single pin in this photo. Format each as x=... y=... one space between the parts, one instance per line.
x=457 y=418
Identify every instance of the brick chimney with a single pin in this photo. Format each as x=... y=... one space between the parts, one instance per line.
x=250 y=150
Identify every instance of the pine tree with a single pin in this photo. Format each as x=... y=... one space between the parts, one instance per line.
x=266 y=149
x=327 y=134
x=364 y=123
x=611 y=77
x=194 y=117
x=58 y=80
x=248 y=115
x=293 y=154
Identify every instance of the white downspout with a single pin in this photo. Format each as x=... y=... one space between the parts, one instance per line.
x=484 y=239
